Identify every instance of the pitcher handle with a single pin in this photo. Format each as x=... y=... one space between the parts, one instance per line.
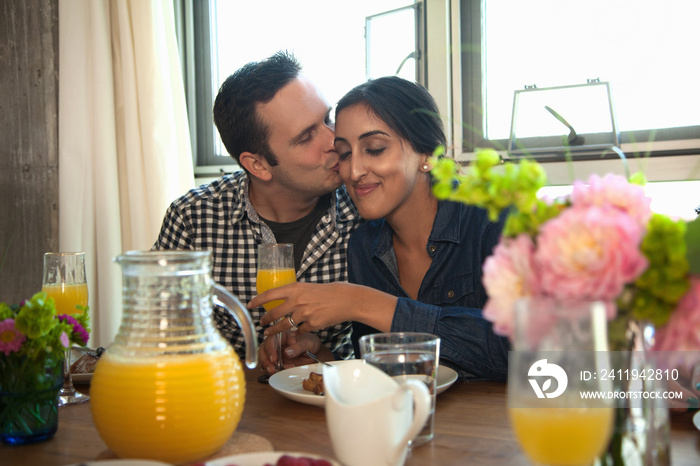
x=422 y=403
x=222 y=297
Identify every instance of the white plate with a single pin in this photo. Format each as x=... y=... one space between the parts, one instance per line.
x=259 y=459
x=696 y=420
x=288 y=382
x=446 y=377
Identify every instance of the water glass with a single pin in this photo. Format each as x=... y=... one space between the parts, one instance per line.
x=405 y=356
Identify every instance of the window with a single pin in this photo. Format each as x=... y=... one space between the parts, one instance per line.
x=339 y=44
x=472 y=55
x=640 y=47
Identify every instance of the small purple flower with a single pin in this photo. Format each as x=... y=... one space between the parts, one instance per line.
x=79 y=333
x=10 y=339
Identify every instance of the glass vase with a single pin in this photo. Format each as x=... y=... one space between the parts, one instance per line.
x=642 y=426
x=29 y=399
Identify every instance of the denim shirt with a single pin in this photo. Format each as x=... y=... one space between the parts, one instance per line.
x=451 y=295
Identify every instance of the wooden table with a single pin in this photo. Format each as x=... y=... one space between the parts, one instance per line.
x=471 y=427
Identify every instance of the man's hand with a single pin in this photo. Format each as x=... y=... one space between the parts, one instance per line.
x=294 y=348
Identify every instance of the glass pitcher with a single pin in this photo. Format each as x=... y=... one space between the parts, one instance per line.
x=170 y=388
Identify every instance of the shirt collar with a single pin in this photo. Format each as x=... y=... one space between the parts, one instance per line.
x=342 y=206
x=447 y=227
x=241 y=204
x=341 y=209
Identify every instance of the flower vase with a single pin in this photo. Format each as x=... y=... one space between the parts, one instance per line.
x=641 y=434
x=29 y=399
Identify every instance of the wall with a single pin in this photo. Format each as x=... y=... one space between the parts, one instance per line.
x=28 y=143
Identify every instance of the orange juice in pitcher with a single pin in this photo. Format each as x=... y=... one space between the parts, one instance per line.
x=182 y=407
x=170 y=388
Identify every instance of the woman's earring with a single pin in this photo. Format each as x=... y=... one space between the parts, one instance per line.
x=425 y=167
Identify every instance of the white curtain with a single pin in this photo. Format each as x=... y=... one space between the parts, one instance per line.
x=124 y=145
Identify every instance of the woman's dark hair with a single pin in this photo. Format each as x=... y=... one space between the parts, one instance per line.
x=407 y=107
x=235 y=112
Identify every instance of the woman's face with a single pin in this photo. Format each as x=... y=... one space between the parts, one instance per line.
x=379 y=168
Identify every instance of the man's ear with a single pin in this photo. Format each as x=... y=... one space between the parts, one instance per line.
x=256 y=165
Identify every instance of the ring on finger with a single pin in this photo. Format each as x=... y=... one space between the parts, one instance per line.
x=293 y=327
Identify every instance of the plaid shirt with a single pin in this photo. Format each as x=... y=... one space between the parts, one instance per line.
x=219 y=217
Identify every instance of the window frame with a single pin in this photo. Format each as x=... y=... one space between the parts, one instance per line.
x=443 y=67
x=672 y=155
x=196 y=49
x=419 y=45
x=193 y=30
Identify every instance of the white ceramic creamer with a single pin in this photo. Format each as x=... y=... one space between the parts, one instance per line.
x=370 y=415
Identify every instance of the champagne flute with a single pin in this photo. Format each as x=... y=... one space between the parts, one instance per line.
x=275 y=268
x=555 y=343
x=64 y=281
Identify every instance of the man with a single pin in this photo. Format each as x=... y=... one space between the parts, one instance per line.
x=276 y=125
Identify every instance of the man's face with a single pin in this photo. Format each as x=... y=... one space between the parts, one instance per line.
x=301 y=138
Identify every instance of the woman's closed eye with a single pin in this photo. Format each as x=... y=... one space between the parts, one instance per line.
x=372 y=152
x=375 y=152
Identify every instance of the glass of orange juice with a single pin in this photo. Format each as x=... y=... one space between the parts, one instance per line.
x=64 y=281
x=559 y=351
x=275 y=268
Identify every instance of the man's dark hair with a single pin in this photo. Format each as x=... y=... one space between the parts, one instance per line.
x=406 y=107
x=235 y=112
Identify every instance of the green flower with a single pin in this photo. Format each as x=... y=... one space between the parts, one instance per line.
x=495 y=186
x=6 y=311
x=36 y=316
x=657 y=291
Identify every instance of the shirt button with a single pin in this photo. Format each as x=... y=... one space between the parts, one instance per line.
x=432 y=248
x=450 y=294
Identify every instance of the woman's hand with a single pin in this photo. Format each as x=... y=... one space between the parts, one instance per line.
x=314 y=306
x=294 y=348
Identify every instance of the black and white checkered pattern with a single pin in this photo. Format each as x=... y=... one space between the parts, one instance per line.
x=219 y=217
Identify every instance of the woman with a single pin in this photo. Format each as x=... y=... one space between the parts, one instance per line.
x=415 y=266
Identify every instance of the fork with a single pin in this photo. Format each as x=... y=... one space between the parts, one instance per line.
x=313 y=356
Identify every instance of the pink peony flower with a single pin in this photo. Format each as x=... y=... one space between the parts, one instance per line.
x=615 y=191
x=589 y=253
x=10 y=339
x=509 y=274
x=681 y=332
